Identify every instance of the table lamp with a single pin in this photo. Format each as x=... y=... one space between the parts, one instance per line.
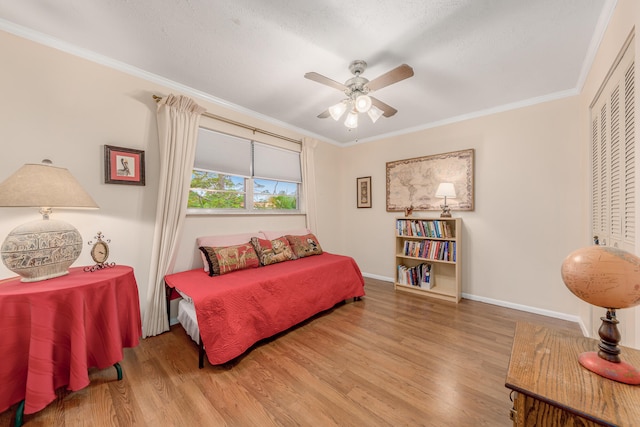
x=610 y=278
x=446 y=189
x=45 y=248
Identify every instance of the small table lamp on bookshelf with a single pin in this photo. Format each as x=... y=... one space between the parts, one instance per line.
x=446 y=189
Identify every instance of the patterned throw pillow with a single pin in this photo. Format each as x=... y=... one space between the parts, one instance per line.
x=212 y=261
x=272 y=251
x=231 y=258
x=304 y=245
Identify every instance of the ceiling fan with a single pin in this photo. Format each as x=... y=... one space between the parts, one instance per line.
x=357 y=91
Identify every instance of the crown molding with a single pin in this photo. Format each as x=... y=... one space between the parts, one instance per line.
x=106 y=61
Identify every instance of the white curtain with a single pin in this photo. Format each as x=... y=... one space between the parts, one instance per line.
x=309 y=181
x=178 y=120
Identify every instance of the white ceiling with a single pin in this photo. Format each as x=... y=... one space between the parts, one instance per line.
x=469 y=56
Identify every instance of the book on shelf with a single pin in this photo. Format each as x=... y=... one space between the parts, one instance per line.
x=448 y=231
x=440 y=229
x=441 y=250
x=418 y=276
x=425 y=276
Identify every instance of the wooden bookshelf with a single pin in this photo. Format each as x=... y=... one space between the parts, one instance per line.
x=429 y=245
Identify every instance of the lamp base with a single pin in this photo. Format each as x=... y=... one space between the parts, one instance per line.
x=621 y=372
x=446 y=210
x=41 y=250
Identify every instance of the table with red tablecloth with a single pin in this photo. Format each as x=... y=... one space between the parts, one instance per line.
x=54 y=330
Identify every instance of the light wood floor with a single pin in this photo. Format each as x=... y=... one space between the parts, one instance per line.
x=391 y=359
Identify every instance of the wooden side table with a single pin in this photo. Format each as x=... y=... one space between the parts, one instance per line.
x=551 y=388
x=55 y=330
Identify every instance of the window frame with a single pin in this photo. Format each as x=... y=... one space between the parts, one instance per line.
x=249 y=188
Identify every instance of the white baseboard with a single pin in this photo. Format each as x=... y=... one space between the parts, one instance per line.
x=528 y=309
x=375 y=276
x=520 y=307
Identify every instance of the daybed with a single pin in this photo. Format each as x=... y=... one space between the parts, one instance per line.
x=227 y=313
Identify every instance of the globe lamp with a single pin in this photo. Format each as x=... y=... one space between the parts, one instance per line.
x=606 y=277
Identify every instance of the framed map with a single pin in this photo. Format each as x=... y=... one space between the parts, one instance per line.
x=413 y=182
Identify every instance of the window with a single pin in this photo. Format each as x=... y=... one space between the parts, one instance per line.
x=232 y=174
x=279 y=195
x=211 y=190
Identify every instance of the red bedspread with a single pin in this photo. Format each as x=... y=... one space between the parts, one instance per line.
x=238 y=309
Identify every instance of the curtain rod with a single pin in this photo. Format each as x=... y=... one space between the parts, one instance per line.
x=242 y=125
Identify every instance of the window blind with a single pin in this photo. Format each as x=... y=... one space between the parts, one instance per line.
x=218 y=152
x=276 y=163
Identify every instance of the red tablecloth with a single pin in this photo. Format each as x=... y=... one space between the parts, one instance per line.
x=53 y=331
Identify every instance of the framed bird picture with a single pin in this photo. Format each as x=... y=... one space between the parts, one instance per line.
x=123 y=165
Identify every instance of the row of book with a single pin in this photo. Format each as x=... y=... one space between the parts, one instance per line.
x=419 y=275
x=443 y=250
x=425 y=228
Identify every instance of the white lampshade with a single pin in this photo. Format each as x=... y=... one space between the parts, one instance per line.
x=446 y=189
x=44 y=185
x=338 y=110
x=45 y=248
x=374 y=113
x=352 y=120
x=363 y=103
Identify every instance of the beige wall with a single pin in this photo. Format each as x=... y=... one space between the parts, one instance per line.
x=529 y=202
x=531 y=175
x=532 y=196
x=58 y=106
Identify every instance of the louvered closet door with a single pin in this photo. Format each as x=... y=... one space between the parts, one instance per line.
x=613 y=171
x=613 y=157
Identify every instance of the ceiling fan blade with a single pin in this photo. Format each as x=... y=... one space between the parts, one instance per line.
x=399 y=73
x=324 y=114
x=388 y=111
x=325 y=81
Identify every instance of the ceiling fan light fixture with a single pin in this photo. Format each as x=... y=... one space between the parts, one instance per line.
x=338 y=110
x=357 y=89
x=374 y=113
x=352 y=120
x=363 y=103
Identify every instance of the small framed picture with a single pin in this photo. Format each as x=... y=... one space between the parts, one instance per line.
x=363 y=185
x=123 y=165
